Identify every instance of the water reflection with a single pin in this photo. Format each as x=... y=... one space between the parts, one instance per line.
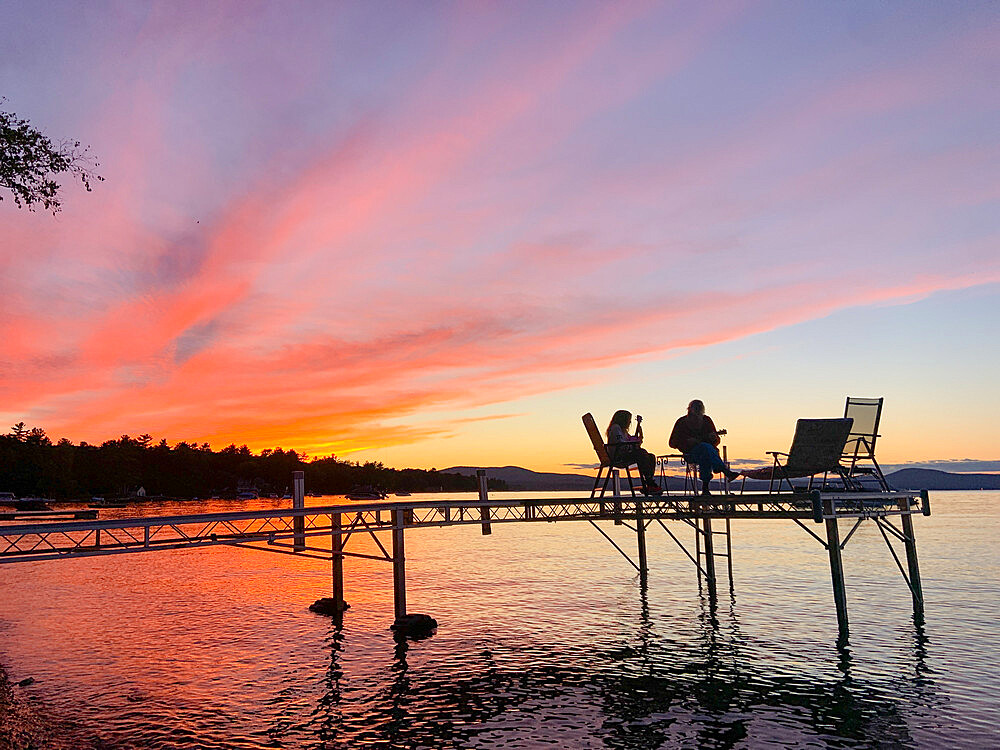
x=559 y=652
x=713 y=691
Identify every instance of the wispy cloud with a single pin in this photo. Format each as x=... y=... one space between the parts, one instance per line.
x=493 y=206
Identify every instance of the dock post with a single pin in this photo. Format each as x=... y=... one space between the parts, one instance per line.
x=911 y=557
x=709 y=558
x=640 y=534
x=484 y=511
x=836 y=565
x=336 y=549
x=616 y=493
x=298 y=503
x=398 y=565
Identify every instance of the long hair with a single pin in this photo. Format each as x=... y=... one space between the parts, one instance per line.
x=621 y=418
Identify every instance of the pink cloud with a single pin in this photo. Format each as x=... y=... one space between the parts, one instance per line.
x=452 y=251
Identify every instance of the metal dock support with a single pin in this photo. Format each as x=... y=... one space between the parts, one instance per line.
x=292 y=531
x=398 y=565
x=836 y=565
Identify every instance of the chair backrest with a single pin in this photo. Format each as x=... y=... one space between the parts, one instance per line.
x=597 y=439
x=866 y=413
x=818 y=444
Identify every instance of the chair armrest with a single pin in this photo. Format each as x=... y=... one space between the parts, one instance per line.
x=775 y=453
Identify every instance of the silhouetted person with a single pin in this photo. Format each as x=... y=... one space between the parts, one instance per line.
x=625 y=449
x=695 y=436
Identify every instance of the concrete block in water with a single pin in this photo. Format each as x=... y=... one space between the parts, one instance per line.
x=328 y=606
x=414 y=625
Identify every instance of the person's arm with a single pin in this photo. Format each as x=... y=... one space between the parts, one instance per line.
x=618 y=435
x=678 y=439
x=712 y=434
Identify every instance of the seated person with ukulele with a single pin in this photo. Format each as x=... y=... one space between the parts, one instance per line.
x=625 y=449
x=695 y=436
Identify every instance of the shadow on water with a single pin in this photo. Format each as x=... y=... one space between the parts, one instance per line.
x=653 y=691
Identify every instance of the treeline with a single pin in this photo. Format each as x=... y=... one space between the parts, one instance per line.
x=31 y=465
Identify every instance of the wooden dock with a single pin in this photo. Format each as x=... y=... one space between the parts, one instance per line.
x=298 y=531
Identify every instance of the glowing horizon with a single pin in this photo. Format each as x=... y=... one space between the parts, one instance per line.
x=435 y=235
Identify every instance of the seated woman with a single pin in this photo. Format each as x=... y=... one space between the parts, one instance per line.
x=695 y=436
x=625 y=449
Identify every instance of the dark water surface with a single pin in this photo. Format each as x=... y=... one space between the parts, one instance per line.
x=546 y=640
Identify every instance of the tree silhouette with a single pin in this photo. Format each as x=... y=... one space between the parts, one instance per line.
x=30 y=465
x=30 y=162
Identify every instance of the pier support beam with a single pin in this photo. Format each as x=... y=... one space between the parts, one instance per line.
x=910 y=543
x=484 y=512
x=333 y=605
x=640 y=535
x=616 y=493
x=836 y=566
x=337 y=548
x=706 y=527
x=398 y=565
x=298 y=503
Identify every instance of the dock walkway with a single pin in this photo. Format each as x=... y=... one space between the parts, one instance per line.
x=299 y=530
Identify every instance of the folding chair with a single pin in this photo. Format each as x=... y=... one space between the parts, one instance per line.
x=816 y=449
x=866 y=413
x=605 y=460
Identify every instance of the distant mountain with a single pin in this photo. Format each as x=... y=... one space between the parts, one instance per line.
x=931 y=479
x=525 y=479
x=904 y=479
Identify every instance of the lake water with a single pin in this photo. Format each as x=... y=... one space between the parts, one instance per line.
x=546 y=639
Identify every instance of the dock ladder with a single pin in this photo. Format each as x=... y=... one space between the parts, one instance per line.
x=709 y=543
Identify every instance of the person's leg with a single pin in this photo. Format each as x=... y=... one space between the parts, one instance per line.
x=647 y=467
x=713 y=458
x=709 y=461
x=707 y=458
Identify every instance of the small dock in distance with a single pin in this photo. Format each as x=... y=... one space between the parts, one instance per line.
x=47 y=515
x=325 y=532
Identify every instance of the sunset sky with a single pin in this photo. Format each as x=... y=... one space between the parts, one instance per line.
x=437 y=233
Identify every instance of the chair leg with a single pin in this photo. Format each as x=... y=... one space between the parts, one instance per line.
x=597 y=481
x=883 y=482
x=607 y=480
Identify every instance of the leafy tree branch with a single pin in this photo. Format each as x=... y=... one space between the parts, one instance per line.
x=30 y=163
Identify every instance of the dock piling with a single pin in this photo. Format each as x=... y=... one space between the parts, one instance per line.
x=398 y=565
x=836 y=566
x=298 y=503
x=710 y=577
x=484 y=511
x=910 y=544
x=337 y=549
x=616 y=493
x=640 y=535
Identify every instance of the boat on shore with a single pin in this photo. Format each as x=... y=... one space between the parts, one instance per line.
x=366 y=492
x=404 y=493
